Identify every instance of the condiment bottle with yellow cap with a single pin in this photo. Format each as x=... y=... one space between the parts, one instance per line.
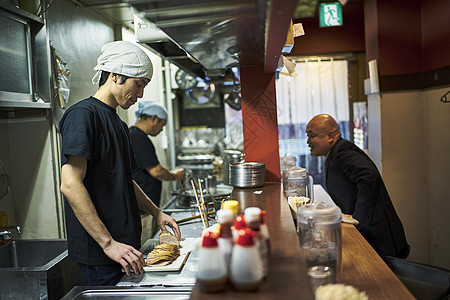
x=233 y=205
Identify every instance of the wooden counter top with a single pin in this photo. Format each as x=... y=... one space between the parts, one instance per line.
x=361 y=266
x=287 y=274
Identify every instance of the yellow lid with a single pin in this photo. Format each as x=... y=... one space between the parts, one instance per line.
x=4 y=219
x=233 y=205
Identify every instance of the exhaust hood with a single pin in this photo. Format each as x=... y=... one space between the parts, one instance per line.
x=206 y=38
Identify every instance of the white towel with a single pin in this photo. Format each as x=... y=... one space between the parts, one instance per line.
x=123 y=58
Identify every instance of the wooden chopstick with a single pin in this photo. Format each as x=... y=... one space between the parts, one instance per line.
x=203 y=201
x=198 y=204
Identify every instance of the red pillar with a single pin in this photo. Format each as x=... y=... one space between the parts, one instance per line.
x=259 y=117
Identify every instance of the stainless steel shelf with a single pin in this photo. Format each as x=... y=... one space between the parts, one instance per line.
x=24 y=104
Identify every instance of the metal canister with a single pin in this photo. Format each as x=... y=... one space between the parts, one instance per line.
x=229 y=157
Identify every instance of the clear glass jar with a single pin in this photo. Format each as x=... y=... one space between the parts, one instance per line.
x=298 y=183
x=319 y=232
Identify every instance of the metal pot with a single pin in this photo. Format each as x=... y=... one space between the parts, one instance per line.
x=230 y=157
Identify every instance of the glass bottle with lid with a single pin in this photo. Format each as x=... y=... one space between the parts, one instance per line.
x=298 y=183
x=319 y=232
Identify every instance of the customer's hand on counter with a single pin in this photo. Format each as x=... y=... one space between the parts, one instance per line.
x=349 y=219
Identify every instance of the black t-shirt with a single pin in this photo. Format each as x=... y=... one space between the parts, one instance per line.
x=93 y=130
x=146 y=157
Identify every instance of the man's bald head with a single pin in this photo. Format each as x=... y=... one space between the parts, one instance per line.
x=324 y=123
x=323 y=132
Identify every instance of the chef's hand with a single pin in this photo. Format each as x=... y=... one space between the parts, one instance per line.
x=179 y=174
x=163 y=220
x=127 y=256
x=349 y=219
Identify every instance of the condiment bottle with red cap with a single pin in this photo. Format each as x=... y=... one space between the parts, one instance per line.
x=212 y=270
x=246 y=270
x=239 y=223
x=264 y=229
x=252 y=221
x=225 y=218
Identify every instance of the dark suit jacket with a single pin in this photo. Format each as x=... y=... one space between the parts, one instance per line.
x=356 y=186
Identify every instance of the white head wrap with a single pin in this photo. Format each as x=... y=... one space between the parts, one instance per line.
x=123 y=58
x=151 y=108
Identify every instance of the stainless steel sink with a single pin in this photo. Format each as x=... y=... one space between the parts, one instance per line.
x=37 y=269
x=32 y=254
x=129 y=293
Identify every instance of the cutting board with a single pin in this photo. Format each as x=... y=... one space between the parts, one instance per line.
x=186 y=246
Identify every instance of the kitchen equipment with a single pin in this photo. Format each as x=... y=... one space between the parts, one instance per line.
x=193 y=217
x=184 y=198
x=195 y=171
x=247 y=174
x=298 y=183
x=229 y=157
x=319 y=232
x=211 y=184
x=196 y=159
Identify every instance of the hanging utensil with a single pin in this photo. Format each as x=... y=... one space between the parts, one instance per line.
x=5 y=182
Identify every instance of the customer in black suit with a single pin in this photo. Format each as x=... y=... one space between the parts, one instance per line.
x=356 y=186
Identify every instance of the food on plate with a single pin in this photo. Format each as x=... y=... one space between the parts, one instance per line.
x=339 y=292
x=166 y=252
x=165 y=237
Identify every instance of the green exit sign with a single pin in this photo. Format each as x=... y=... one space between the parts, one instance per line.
x=330 y=14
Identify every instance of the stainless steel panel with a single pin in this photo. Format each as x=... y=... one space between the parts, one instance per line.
x=99 y=293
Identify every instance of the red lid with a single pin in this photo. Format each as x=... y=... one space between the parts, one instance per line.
x=239 y=222
x=262 y=216
x=245 y=237
x=209 y=240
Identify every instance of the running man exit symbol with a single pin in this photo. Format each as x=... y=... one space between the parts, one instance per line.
x=330 y=14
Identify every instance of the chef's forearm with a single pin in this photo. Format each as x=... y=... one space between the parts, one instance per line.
x=161 y=173
x=144 y=202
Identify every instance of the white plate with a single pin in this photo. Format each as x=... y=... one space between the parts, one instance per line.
x=186 y=246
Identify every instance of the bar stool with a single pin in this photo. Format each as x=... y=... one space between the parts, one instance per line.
x=425 y=282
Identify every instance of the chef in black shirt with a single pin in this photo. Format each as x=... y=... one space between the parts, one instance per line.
x=102 y=201
x=152 y=117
